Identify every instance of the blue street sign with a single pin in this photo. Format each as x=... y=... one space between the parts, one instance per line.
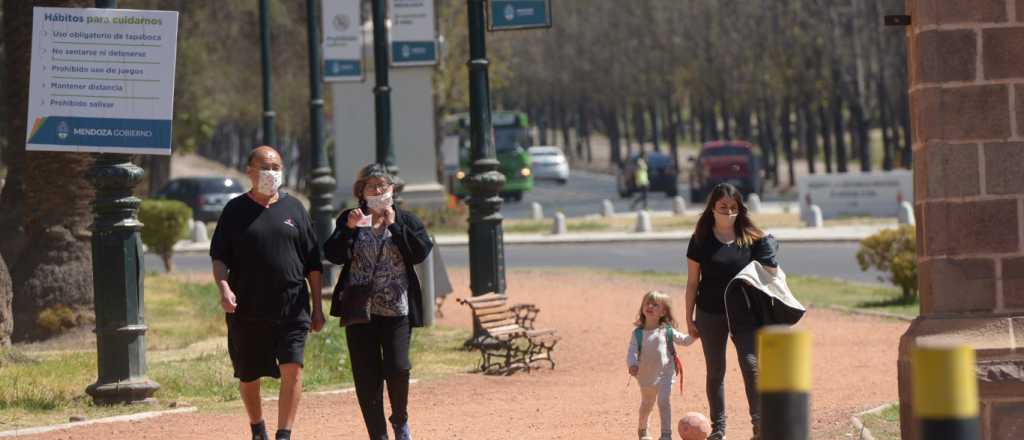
x=520 y=14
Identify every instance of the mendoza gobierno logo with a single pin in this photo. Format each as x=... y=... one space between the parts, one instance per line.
x=62 y=130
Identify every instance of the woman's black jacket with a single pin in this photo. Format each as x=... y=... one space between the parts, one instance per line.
x=408 y=234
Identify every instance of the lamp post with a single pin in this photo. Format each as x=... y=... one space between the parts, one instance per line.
x=486 y=248
x=322 y=183
x=269 y=133
x=117 y=268
x=382 y=92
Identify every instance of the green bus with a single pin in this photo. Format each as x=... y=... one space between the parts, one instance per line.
x=512 y=137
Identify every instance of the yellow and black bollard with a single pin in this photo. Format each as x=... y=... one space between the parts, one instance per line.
x=784 y=382
x=945 y=392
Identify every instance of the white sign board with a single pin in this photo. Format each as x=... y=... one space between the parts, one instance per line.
x=413 y=39
x=876 y=194
x=102 y=80
x=343 y=40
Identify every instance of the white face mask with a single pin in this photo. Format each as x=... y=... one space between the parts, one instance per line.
x=269 y=182
x=723 y=219
x=380 y=202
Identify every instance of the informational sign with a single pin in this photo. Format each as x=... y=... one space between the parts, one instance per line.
x=877 y=194
x=102 y=80
x=520 y=14
x=343 y=40
x=413 y=38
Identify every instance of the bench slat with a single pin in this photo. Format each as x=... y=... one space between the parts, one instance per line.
x=499 y=324
x=493 y=310
x=485 y=321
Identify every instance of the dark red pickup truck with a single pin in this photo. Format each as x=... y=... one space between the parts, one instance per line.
x=731 y=162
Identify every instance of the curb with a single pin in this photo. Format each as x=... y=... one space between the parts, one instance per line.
x=330 y=392
x=114 y=419
x=854 y=311
x=783 y=235
x=863 y=432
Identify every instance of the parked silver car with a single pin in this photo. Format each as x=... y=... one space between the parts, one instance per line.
x=549 y=163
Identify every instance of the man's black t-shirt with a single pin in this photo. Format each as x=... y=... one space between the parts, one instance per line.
x=720 y=262
x=268 y=253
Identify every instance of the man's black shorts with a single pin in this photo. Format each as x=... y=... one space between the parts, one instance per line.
x=258 y=346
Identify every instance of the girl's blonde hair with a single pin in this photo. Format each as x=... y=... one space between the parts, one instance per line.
x=664 y=300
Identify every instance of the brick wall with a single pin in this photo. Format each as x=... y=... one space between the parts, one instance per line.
x=966 y=64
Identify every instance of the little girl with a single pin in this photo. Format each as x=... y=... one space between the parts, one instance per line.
x=652 y=359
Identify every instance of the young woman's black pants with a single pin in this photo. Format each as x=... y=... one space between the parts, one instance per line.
x=379 y=353
x=714 y=334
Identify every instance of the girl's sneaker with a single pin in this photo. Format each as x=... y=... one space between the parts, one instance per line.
x=717 y=435
x=642 y=433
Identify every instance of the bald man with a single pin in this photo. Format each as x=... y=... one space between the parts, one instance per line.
x=264 y=252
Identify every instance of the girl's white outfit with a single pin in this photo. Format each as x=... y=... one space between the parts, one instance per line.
x=656 y=371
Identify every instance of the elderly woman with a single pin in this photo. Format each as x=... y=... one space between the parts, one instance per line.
x=378 y=244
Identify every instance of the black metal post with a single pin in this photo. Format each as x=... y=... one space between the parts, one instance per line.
x=269 y=132
x=382 y=90
x=486 y=248
x=321 y=183
x=117 y=268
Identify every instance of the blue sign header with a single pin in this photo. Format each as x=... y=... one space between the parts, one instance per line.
x=520 y=14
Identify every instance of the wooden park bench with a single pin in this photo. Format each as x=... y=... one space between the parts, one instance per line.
x=509 y=340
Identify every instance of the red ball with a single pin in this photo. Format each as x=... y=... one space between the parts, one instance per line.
x=694 y=426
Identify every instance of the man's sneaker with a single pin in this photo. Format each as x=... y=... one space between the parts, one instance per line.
x=402 y=431
x=259 y=431
x=642 y=433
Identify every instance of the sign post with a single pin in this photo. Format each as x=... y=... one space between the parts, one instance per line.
x=102 y=80
x=343 y=41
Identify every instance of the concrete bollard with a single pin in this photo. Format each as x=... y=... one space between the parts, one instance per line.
x=906 y=214
x=538 y=211
x=784 y=382
x=607 y=208
x=643 y=222
x=199 y=233
x=559 y=225
x=191 y=224
x=945 y=391
x=753 y=203
x=813 y=217
x=678 y=205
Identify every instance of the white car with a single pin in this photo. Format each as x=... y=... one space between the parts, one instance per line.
x=549 y=163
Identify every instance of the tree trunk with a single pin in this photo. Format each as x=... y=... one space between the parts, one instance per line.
x=826 y=137
x=672 y=131
x=627 y=131
x=726 y=118
x=17 y=35
x=6 y=295
x=611 y=122
x=839 y=131
x=908 y=146
x=861 y=138
x=883 y=121
x=787 y=140
x=694 y=111
x=810 y=138
x=639 y=126
x=652 y=109
x=773 y=146
x=168 y=259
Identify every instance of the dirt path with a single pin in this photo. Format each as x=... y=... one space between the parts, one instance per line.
x=586 y=396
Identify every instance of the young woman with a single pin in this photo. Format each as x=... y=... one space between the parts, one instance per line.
x=724 y=242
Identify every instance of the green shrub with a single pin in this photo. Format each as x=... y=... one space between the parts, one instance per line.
x=893 y=251
x=164 y=223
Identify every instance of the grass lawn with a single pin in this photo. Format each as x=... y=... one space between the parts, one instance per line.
x=884 y=425
x=187 y=356
x=814 y=291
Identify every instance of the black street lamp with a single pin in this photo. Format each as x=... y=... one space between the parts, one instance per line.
x=269 y=133
x=117 y=268
x=321 y=183
x=486 y=248
x=382 y=91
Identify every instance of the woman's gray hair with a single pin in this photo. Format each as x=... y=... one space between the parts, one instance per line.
x=370 y=171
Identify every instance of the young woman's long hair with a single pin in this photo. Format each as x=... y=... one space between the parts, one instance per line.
x=665 y=301
x=746 y=232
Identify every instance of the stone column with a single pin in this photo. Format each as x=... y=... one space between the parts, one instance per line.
x=966 y=67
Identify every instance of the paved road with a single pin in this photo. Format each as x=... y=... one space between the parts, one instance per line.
x=833 y=260
x=583 y=194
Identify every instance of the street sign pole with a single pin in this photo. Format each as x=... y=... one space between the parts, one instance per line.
x=269 y=132
x=321 y=183
x=117 y=270
x=382 y=92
